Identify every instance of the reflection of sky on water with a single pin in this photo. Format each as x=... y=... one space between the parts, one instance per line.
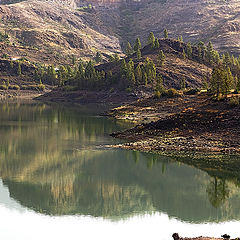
x=30 y=225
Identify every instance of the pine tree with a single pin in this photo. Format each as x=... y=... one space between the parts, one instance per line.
x=19 y=69
x=221 y=81
x=183 y=83
x=161 y=57
x=129 y=50
x=132 y=80
x=159 y=84
x=137 y=45
x=227 y=60
x=151 y=39
x=156 y=44
x=189 y=50
x=80 y=75
x=123 y=69
x=90 y=74
x=139 y=55
x=165 y=33
x=74 y=59
x=130 y=73
x=238 y=85
x=138 y=74
x=62 y=75
x=210 y=53
x=109 y=77
x=145 y=79
x=184 y=54
x=98 y=57
x=116 y=57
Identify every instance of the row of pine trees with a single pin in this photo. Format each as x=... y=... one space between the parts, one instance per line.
x=130 y=74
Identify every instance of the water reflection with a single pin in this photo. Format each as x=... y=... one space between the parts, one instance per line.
x=51 y=162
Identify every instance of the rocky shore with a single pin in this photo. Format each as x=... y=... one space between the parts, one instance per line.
x=182 y=124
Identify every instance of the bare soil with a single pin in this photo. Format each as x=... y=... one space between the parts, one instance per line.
x=182 y=124
x=19 y=94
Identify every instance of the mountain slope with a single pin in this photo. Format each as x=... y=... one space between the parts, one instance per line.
x=217 y=21
x=49 y=32
x=175 y=69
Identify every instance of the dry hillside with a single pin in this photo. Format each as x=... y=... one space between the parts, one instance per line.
x=49 y=32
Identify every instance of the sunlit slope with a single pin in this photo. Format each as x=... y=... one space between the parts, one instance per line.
x=50 y=32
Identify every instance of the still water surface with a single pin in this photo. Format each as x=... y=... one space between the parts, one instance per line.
x=57 y=181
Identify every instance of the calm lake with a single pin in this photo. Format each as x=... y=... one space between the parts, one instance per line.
x=58 y=181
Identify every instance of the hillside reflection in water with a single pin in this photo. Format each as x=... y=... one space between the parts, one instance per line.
x=52 y=161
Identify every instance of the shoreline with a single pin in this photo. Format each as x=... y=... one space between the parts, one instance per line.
x=184 y=124
x=20 y=94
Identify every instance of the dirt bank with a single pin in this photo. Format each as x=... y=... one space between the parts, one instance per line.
x=20 y=94
x=182 y=124
x=85 y=97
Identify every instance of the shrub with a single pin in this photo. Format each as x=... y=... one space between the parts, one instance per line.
x=14 y=87
x=37 y=87
x=3 y=87
x=233 y=101
x=129 y=90
x=69 y=88
x=157 y=94
x=170 y=93
x=191 y=91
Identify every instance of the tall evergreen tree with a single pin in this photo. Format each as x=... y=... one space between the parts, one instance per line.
x=151 y=39
x=139 y=55
x=98 y=57
x=137 y=44
x=156 y=44
x=138 y=74
x=128 y=50
x=165 y=33
x=161 y=57
x=189 y=50
x=19 y=69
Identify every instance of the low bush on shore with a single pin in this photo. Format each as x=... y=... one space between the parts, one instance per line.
x=39 y=87
x=14 y=87
x=167 y=93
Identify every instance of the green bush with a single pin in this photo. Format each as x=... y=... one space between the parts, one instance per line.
x=191 y=91
x=36 y=87
x=3 y=87
x=14 y=87
x=233 y=101
x=157 y=94
x=69 y=88
x=129 y=90
x=172 y=92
